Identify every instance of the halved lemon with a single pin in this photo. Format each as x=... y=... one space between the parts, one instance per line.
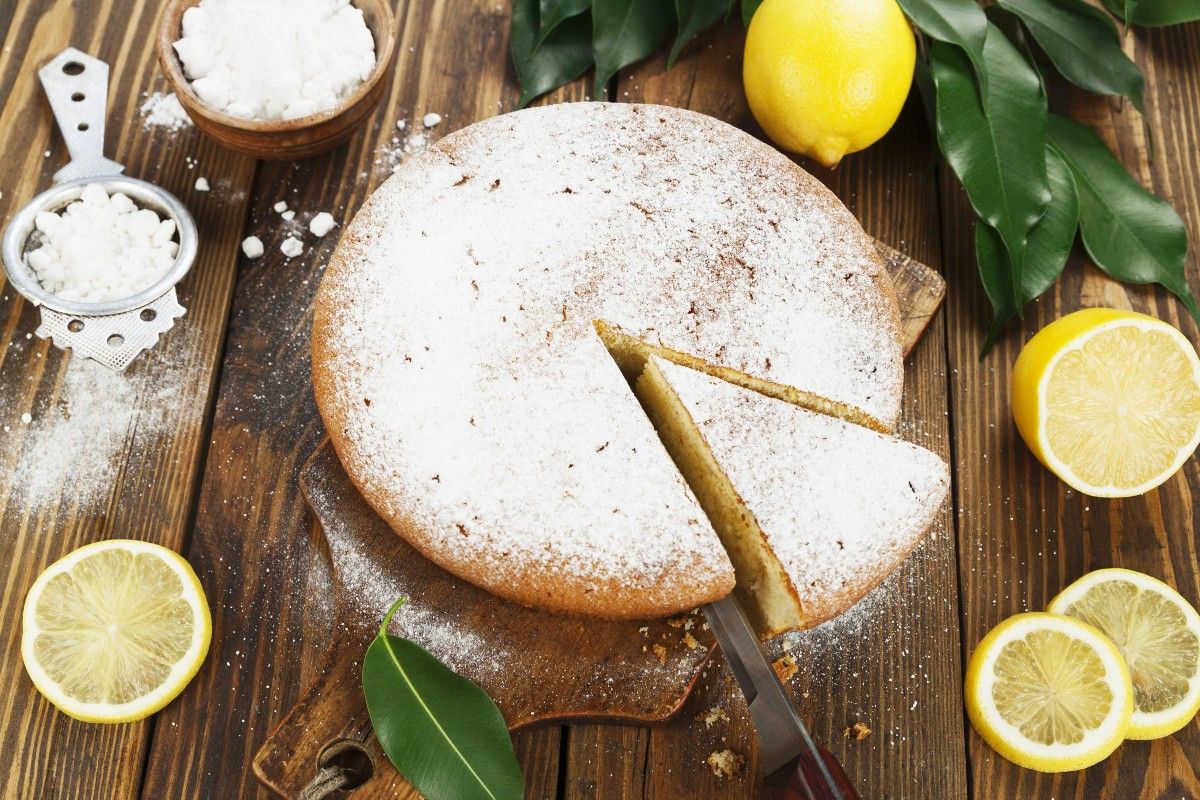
x=1157 y=632
x=115 y=630
x=1049 y=693
x=1109 y=400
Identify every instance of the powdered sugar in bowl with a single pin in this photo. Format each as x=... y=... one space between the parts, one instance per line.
x=57 y=248
x=280 y=128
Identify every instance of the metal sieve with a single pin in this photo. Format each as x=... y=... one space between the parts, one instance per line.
x=113 y=333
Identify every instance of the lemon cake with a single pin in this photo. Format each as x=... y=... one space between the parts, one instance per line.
x=465 y=388
x=814 y=511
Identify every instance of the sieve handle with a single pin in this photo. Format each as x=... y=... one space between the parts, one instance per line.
x=77 y=87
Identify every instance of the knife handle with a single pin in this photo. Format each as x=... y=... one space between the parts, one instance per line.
x=801 y=779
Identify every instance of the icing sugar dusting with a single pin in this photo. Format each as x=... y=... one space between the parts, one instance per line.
x=71 y=446
x=456 y=361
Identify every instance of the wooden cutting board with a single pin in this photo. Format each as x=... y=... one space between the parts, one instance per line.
x=540 y=668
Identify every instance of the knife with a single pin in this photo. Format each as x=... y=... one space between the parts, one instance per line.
x=794 y=768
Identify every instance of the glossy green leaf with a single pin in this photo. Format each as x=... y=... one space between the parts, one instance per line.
x=1083 y=44
x=561 y=58
x=625 y=31
x=748 y=9
x=996 y=148
x=1046 y=251
x=1155 y=13
x=444 y=735
x=957 y=22
x=695 y=16
x=1130 y=234
x=552 y=13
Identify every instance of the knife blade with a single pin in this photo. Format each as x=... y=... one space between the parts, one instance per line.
x=791 y=762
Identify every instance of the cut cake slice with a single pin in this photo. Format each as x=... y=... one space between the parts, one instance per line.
x=813 y=510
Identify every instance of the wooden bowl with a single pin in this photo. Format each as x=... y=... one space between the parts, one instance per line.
x=281 y=139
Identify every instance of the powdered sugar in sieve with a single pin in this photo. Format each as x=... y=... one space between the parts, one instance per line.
x=114 y=332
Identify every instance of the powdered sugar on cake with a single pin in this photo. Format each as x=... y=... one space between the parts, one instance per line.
x=840 y=505
x=455 y=359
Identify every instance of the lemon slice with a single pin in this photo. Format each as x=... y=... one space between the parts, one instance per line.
x=1157 y=632
x=1109 y=400
x=113 y=631
x=1049 y=693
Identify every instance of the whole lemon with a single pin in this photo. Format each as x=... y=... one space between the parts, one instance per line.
x=828 y=77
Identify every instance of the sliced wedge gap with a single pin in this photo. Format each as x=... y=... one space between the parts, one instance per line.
x=632 y=353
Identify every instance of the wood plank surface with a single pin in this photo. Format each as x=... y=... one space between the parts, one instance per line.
x=893 y=662
x=253 y=541
x=1023 y=534
x=147 y=455
x=103 y=455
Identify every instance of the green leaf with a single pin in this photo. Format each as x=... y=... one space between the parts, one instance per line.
x=748 y=9
x=1083 y=44
x=995 y=147
x=1130 y=234
x=562 y=57
x=625 y=31
x=552 y=13
x=694 y=17
x=1155 y=13
x=1046 y=251
x=957 y=22
x=444 y=735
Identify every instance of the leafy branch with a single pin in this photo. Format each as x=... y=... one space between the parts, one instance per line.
x=1034 y=179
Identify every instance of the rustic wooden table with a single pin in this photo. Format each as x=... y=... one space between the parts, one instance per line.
x=198 y=446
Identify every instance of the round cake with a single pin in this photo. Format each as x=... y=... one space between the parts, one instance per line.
x=458 y=368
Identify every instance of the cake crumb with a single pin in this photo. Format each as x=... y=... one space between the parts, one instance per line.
x=725 y=763
x=676 y=622
x=858 y=730
x=431 y=120
x=690 y=641
x=202 y=184
x=714 y=715
x=644 y=630
x=660 y=653
x=785 y=667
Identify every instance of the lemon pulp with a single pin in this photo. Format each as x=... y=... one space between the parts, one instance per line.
x=1108 y=400
x=115 y=630
x=1120 y=408
x=1049 y=692
x=1051 y=687
x=1157 y=633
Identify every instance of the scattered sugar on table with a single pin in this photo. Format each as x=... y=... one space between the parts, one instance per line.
x=291 y=247
x=252 y=246
x=275 y=59
x=163 y=110
x=100 y=248
x=322 y=223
